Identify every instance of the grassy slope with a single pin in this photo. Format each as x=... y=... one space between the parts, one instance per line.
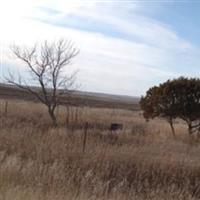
x=78 y=98
x=141 y=162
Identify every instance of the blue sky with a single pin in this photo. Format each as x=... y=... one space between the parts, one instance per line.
x=125 y=46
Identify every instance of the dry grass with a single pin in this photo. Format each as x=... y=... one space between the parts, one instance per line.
x=142 y=161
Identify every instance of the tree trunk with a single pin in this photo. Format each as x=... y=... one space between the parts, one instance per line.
x=172 y=128
x=53 y=117
x=190 y=128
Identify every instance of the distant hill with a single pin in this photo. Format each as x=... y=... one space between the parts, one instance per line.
x=78 y=98
x=109 y=97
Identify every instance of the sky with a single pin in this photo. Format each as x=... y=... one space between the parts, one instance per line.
x=125 y=46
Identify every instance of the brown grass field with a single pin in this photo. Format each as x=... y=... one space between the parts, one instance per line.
x=143 y=161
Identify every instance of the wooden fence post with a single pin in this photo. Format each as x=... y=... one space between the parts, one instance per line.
x=76 y=115
x=67 y=116
x=85 y=136
x=6 y=109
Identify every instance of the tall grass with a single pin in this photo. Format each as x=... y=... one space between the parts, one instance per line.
x=143 y=161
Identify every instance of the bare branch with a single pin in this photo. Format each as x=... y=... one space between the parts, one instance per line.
x=46 y=64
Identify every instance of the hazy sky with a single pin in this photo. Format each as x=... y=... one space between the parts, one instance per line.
x=125 y=46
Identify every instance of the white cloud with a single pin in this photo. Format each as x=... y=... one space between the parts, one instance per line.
x=106 y=63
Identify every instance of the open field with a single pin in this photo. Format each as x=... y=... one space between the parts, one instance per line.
x=100 y=100
x=143 y=161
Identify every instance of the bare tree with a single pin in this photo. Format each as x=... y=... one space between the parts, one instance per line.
x=47 y=65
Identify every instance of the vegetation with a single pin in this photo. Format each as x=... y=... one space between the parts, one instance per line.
x=47 y=66
x=40 y=162
x=177 y=98
x=81 y=158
